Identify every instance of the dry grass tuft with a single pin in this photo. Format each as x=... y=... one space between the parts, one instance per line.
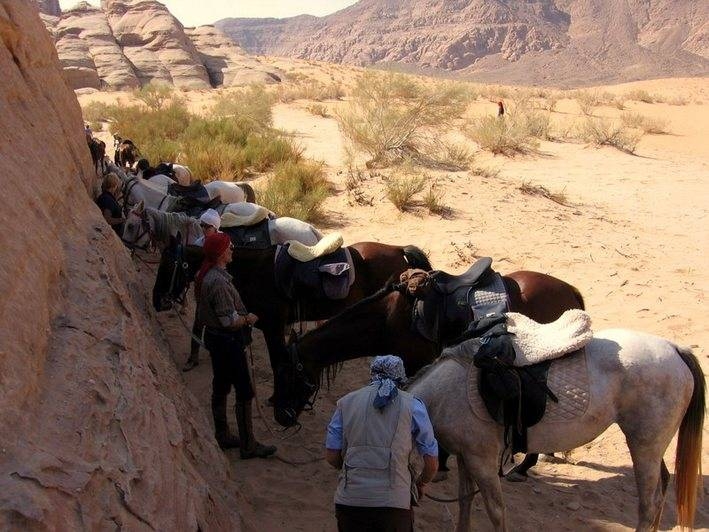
x=647 y=125
x=541 y=191
x=402 y=187
x=296 y=190
x=602 y=132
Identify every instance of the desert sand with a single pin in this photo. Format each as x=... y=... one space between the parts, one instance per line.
x=632 y=235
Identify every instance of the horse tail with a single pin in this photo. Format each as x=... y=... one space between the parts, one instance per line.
x=688 y=461
x=249 y=192
x=416 y=258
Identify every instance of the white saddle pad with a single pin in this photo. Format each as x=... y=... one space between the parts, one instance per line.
x=536 y=342
x=328 y=244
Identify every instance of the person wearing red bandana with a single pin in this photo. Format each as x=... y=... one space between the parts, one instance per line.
x=225 y=318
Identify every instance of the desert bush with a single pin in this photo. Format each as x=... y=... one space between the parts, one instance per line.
x=318 y=110
x=677 y=100
x=95 y=113
x=644 y=123
x=393 y=118
x=251 y=107
x=587 y=101
x=401 y=188
x=603 y=132
x=456 y=156
x=640 y=95
x=309 y=89
x=154 y=95
x=489 y=173
x=296 y=190
x=433 y=200
x=536 y=123
x=539 y=190
x=264 y=152
x=504 y=135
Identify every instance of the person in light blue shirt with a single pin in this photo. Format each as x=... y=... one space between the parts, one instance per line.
x=370 y=439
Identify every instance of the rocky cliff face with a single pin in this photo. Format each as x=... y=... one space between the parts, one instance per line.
x=128 y=43
x=536 y=41
x=98 y=431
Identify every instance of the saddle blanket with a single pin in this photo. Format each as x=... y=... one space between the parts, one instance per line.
x=255 y=236
x=567 y=378
x=327 y=277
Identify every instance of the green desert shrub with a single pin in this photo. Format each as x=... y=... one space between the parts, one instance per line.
x=602 y=132
x=251 y=107
x=296 y=190
x=507 y=135
x=393 y=118
x=646 y=124
x=402 y=187
x=155 y=95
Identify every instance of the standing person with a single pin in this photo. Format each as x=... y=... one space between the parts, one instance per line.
x=220 y=309
x=209 y=222
x=373 y=433
x=89 y=134
x=108 y=204
x=500 y=109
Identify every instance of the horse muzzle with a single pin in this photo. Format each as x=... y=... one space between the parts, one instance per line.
x=285 y=417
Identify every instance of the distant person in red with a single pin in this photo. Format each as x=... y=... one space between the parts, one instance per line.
x=500 y=109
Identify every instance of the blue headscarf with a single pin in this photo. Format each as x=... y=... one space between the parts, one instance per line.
x=387 y=372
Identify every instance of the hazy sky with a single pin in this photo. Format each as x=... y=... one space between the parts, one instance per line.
x=196 y=12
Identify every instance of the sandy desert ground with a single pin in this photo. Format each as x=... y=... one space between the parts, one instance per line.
x=633 y=237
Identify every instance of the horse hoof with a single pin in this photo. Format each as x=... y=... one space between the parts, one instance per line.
x=440 y=476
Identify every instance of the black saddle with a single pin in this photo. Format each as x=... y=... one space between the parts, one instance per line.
x=196 y=206
x=514 y=396
x=195 y=190
x=446 y=283
x=250 y=236
x=327 y=277
x=446 y=310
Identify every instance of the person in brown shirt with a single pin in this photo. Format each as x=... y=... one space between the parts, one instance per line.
x=222 y=312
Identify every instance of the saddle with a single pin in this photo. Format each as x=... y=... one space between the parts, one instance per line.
x=451 y=302
x=195 y=190
x=256 y=236
x=328 y=276
x=194 y=207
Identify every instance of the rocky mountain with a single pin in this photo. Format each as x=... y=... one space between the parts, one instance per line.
x=98 y=431
x=556 y=42
x=129 y=43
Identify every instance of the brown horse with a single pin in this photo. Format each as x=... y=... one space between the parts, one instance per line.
x=253 y=272
x=382 y=324
x=126 y=153
x=98 y=152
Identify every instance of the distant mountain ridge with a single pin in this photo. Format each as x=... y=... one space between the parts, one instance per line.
x=554 y=42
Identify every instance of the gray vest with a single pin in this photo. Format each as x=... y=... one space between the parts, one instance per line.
x=376 y=448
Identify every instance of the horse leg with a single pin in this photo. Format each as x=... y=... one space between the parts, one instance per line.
x=466 y=486
x=481 y=466
x=276 y=347
x=647 y=446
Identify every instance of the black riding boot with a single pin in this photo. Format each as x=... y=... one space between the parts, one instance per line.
x=250 y=448
x=221 y=429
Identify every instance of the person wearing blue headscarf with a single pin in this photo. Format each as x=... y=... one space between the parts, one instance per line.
x=370 y=439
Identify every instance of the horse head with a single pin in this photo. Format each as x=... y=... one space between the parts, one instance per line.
x=295 y=389
x=136 y=231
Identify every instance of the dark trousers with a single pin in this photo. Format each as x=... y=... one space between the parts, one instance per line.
x=229 y=366
x=368 y=519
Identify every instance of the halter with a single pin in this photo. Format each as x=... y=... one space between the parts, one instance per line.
x=127 y=188
x=145 y=230
x=297 y=378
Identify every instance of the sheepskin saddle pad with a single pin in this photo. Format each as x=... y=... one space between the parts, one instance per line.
x=327 y=245
x=537 y=342
x=244 y=214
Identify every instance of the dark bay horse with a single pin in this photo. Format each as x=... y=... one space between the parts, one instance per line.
x=98 y=152
x=254 y=278
x=126 y=153
x=382 y=324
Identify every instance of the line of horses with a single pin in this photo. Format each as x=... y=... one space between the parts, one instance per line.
x=376 y=318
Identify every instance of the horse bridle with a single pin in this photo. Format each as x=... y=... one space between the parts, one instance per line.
x=145 y=230
x=298 y=377
x=127 y=188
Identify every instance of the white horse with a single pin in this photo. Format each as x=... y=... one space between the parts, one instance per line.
x=646 y=384
x=146 y=224
x=230 y=192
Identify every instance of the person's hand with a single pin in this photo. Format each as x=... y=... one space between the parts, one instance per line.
x=251 y=318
